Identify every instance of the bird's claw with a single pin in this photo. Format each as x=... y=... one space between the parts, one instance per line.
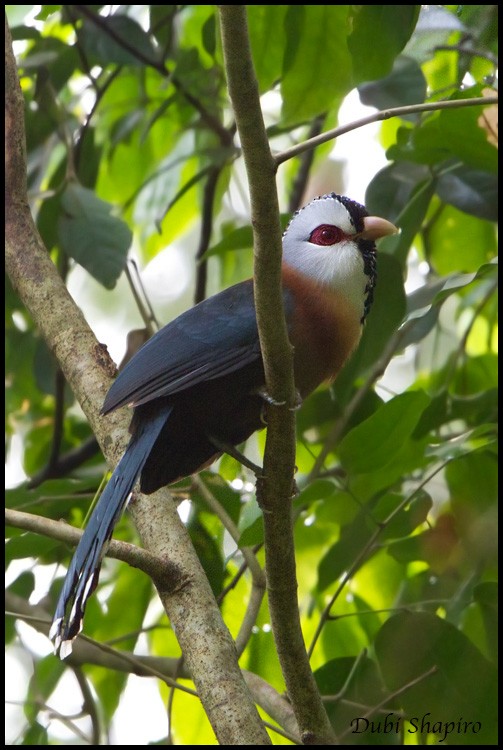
x=264 y=393
x=297 y=403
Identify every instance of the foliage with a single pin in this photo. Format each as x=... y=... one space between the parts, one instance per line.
x=130 y=145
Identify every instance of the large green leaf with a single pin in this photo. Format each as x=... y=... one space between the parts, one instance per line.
x=449 y=681
x=122 y=619
x=470 y=190
x=458 y=242
x=358 y=682
x=451 y=133
x=486 y=596
x=404 y=85
x=317 y=69
x=379 y=34
x=340 y=556
x=407 y=190
x=91 y=235
x=116 y=39
x=375 y=442
x=46 y=675
x=209 y=552
x=266 y=25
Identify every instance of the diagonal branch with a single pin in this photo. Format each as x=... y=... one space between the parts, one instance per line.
x=384 y=114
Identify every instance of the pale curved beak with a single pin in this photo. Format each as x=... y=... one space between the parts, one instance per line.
x=375 y=227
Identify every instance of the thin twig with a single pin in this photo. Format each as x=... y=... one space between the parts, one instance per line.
x=365 y=551
x=384 y=114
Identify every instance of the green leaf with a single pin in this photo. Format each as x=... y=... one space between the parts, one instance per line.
x=438 y=546
x=360 y=682
x=35 y=735
x=407 y=519
x=23 y=586
x=238 y=239
x=16 y=14
x=379 y=34
x=90 y=155
x=486 y=596
x=408 y=458
x=126 y=604
x=45 y=11
x=20 y=388
x=116 y=39
x=209 y=35
x=470 y=190
x=462 y=685
x=28 y=545
x=51 y=498
x=451 y=133
x=405 y=85
x=266 y=25
x=473 y=484
x=409 y=221
x=251 y=524
x=162 y=21
x=91 y=235
x=317 y=490
x=391 y=189
x=45 y=368
x=46 y=674
x=459 y=242
x=462 y=132
x=417 y=327
x=477 y=375
x=339 y=508
x=222 y=491
x=209 y=553
x=374 y=443
x=341 y=555
x=317 y=72
x=438 y=290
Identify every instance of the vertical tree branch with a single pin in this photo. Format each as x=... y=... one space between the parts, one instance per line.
x=279 y=458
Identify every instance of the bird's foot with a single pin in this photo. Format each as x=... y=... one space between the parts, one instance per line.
x=298 y=401
x=264 y=393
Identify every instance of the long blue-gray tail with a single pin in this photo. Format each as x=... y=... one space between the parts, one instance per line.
x=83 y=572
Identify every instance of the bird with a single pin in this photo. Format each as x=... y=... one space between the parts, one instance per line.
x=198 y=384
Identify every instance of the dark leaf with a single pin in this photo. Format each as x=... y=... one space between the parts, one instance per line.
x=408 y=646
x=470 y=190
x=91 y=235
x=318 y=71
x=375 y=442
x=404 y=85
x=116 y=39
x=380 y=32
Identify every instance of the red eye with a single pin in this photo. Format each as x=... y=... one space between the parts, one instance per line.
x=326 y=234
